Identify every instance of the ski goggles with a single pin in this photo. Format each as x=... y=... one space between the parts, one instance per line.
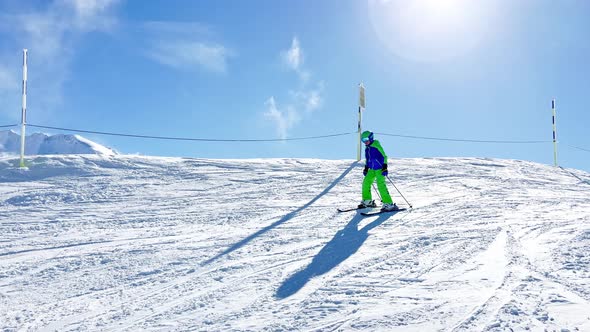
x=365 y=139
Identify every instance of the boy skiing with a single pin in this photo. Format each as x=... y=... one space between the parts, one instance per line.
x=375 y=168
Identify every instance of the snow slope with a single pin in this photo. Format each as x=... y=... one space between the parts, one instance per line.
x=130 y=243
x=43 y=144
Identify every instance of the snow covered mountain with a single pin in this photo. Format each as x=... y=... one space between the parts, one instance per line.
x=128 y=243
x=43 y=144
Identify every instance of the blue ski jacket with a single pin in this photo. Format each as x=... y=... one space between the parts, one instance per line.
x=375 y=156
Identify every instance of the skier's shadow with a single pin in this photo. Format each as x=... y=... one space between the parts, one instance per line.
x=343 y=245
x=284 y=219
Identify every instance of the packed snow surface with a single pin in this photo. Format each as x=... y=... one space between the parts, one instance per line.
x=130 y=243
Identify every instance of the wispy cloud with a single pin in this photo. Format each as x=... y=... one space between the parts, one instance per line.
x=92 y=15
x=186 y=46
x=191 y=54
x=50 y=34
x=284 y=119
x=302 y=101
x=293 y=58
x=310 y=99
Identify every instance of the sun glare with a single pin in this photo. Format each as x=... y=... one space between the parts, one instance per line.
x=427 y=30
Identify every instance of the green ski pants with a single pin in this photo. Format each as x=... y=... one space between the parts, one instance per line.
x=381 y=186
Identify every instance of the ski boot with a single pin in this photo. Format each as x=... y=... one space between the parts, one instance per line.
x=389 y=207
x=368 y=203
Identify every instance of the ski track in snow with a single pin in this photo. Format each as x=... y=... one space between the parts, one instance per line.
x=126 y=243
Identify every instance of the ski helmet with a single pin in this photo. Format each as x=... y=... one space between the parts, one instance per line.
x=367 y=136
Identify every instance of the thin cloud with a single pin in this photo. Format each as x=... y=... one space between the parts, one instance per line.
x=303 y=101
x=51 y=35
x=186 y=45
x=90 y=8
x=314 y=100
x=293 y=57
x=310 y=99
x=191 y=54
x=93 y=14
x=284 y=119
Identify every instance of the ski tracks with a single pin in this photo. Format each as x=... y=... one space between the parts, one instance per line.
x=528 y=298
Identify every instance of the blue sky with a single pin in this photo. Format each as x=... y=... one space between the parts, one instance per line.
x=481 y=70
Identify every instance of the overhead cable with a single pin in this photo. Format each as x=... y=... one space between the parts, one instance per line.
x=576 y=147
x=188 y=138
x=463 y=140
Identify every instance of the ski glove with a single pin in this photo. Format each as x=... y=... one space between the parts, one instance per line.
x=384 y=170
x=366 y=170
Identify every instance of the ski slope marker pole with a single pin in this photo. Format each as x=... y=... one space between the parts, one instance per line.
x=360 y=121
x=24 y=111
x=554 y=134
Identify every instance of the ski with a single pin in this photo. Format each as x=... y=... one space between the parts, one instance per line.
x=355 y=208
x=351 y=209
x=380 y=212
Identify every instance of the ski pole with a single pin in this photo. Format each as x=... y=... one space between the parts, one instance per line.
x=377 y=191
x=399 y=192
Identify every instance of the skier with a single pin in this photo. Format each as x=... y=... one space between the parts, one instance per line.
x=375 y=167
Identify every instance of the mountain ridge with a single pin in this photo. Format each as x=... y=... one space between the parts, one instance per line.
x=45 y=144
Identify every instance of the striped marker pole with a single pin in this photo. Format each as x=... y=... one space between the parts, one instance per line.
x=554 y=133
x=359 y=128
x=24 y=111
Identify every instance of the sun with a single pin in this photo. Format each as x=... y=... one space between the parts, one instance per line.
x=428 y=30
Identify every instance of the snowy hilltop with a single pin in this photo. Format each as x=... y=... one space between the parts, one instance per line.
x=43 y=144
x=129 y=243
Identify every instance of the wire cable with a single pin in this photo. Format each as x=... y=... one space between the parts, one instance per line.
x=187 y=138
x=575 y=147
x=8 y=126
x=284 y=139
x=463 y=140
